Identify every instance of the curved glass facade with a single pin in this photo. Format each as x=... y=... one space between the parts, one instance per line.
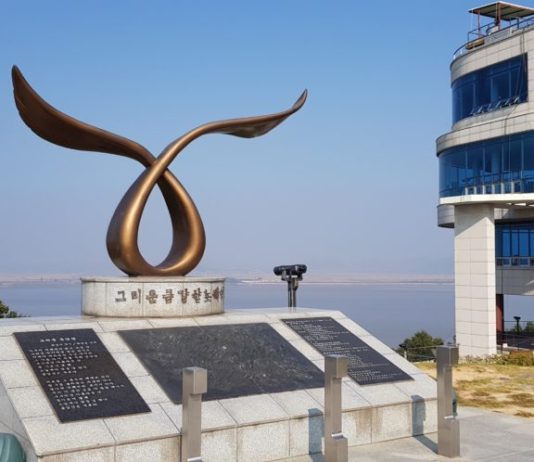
x=495 y=166
x=490 y=88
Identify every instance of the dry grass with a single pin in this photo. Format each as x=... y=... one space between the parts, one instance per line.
x=505 y=388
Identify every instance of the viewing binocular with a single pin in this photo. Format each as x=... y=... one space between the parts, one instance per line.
x=290 y=270
x=292 y=274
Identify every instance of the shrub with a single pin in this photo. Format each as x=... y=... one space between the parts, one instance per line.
x=521 y=358
x=6 y=312
x=516 y=358
x=420 y=346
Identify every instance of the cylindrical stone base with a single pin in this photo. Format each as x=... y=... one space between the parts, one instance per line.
x=138 y=297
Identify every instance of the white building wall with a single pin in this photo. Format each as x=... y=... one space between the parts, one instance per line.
x=474 y=268
x=515 y=281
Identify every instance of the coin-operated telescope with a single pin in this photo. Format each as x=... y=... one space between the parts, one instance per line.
x=292 y=274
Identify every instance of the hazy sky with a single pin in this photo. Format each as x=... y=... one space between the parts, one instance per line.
x=347 y=185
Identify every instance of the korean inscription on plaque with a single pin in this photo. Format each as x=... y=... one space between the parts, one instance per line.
x=366 y=365
x=241 y=359
x=79 y=376
x=198 y=295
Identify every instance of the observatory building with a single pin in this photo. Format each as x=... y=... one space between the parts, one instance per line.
x=486 y=170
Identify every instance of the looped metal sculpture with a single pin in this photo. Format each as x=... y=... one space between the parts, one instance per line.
x=188 y=237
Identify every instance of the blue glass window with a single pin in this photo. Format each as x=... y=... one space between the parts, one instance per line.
x=514 y=244
x=495 y=166
x=490 y=88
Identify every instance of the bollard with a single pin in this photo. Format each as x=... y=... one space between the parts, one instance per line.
x=335 y=444
x=448 y=425
x=194 y=384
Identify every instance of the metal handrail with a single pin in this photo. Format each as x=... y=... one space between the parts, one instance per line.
x=523 y=341
x=515 y=262
x=491 y=36
x=511 y=326
x=417 y=354
x=513 y=185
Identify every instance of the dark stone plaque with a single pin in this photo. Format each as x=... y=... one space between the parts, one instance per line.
x=241 y=359
x=366 y=365
x=79 y=376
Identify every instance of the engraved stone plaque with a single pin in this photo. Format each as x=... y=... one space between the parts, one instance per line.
x=150 y=297
x=241 y=359
x=79 y=376
x=366 y=365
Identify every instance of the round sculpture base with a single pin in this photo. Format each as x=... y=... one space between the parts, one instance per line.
x=149 y=297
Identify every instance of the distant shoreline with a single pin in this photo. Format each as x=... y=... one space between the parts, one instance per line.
x=354 y=283
x=6 y=281
x=29 y=281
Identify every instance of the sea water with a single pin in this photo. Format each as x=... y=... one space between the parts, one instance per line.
x=392 y=312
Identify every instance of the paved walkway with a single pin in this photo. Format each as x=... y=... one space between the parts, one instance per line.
x=485 y=436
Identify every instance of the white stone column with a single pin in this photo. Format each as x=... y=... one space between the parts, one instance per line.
x=474 y=270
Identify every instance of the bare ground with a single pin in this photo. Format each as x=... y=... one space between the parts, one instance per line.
x=508 y=389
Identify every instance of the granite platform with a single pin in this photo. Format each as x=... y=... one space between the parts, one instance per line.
x=259 y=427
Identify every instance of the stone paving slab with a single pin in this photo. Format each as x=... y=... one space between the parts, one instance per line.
x=485 y=436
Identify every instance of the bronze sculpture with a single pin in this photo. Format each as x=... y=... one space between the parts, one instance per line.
x=188 y=237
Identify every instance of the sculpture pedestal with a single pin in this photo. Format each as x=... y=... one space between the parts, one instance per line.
x=270 y=426
x=152 y=297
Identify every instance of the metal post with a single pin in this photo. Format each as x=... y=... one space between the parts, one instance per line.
x=335 y=444
x=448 y=425
x=294 y=287
x=517 y=331
x=194 y=384
x=287 y=278
x=517 y=327
x=404 y=350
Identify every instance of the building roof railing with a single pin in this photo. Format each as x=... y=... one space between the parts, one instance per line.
x=517 y=17
x=503 y=10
